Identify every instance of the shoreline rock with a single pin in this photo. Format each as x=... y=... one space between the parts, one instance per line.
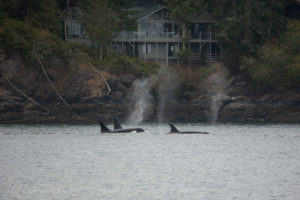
x=86 y=94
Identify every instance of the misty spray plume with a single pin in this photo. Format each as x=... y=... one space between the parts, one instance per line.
x=141 y=99
x=217 y=90
x=168 y=82
x=164 y=82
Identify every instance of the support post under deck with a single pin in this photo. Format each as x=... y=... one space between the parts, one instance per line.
x=156 y=48
x=167 y=54
x=145 y=51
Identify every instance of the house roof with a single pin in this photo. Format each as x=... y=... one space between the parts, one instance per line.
x=149 y=11
x=72 y=11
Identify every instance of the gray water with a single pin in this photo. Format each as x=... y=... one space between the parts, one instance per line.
x=259 y=162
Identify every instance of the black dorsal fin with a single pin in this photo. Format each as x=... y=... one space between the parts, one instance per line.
x=103 y=127
x=116 y=124
x=173 y=128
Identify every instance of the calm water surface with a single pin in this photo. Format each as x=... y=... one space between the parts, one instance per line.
x=259 y=162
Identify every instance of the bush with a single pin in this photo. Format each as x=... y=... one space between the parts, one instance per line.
x=186 y=89
x=183 y=55
x=46 y=44
x=203 y=73
x=269 y=70
x=15 y=37
x=277 y=67
x=32 y=43
x=121 y=63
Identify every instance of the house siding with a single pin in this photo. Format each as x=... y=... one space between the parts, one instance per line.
x=158 y=38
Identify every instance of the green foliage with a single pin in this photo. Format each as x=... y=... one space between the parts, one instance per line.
x=121 y=63
x=47 y=16
x=2 y=13
x=19 y=9
x=277 y=67
x=183 y=54
x=291 y=38
x=184 y=11
x=244 y=26
x=203 y=73
x=32 y=43
x=186 y=89
x=46 y=45
x=13 y=8
x=101 y=23
x=190 y=79
x=104 y=19
x=125 y=14
x=269 y=70
x=15 y=37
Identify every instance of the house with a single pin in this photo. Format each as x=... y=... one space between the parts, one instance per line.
x=72 y=25
x=158 y=37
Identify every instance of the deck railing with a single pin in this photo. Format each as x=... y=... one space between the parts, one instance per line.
x=131 y=35
x=134 y=35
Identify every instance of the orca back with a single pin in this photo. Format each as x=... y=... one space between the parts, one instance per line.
x=104 y=128
x=173 y=128
x=117 y=125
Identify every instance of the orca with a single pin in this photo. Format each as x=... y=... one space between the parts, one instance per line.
x=105 y=129
x=117 y=125
x=174 y=130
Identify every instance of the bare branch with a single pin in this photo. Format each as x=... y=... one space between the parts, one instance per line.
x=23 y=94
x=47 y=77
x=99 y=73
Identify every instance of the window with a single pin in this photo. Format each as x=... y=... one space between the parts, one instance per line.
x=74 y=28
x=156 y=29
x=146 y=49
x=173 y=49
x=167 y=27
x=118 y=48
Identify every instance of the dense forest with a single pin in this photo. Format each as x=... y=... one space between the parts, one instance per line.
x=257 y=37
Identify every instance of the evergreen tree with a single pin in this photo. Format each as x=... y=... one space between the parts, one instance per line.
x=101 y=23
x=47 y=16
x=277 y=65
x=2 y=13
x=124 y=13
x=19 y=9
x=244 y=26
x=105 y=18
x=184 y=11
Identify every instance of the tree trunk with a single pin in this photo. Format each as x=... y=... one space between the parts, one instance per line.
x=183 y=36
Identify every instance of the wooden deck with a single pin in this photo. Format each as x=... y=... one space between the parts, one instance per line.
x=163 y=40
x=170 y=37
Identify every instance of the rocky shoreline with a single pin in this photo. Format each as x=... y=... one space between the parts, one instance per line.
x=88 y=100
